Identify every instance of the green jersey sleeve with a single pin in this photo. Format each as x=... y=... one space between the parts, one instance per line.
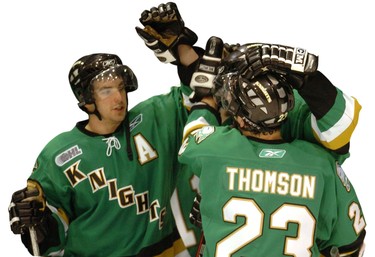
x=328 y=119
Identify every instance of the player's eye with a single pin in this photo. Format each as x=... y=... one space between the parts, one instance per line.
x=105 y=92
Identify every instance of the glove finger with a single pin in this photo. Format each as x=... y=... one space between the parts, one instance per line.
x=196 y=206
x=22 y=194
x=229 y=48
x=163 y=12
x=311 y=64
x=173 y=13
x=195 y=220
x=145 y=17
x=30 y=220
x=25 y=206
x=144 y=35
x=155 y=14
x=16 y=226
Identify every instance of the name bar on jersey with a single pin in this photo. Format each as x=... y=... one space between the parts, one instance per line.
x=271 y=182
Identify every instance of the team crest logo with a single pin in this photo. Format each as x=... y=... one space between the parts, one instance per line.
x=272 y=153
x=203 y=133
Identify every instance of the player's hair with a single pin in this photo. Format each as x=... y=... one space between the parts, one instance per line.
x=262 y=102
x=90 y=66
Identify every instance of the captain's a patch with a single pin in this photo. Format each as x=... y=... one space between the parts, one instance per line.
x=203 y=133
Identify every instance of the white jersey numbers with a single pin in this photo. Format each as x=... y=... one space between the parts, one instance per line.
x=254 y=225
x=359 y=223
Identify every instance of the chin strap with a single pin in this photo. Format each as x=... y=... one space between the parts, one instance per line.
x=126 y=124
x=127 y=133
x=128 y=143
x=96 y=112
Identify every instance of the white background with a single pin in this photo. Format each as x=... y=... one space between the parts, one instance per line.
x=41 y=39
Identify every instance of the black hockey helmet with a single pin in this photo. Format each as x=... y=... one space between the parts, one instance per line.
x=95 y=66
x=262 y=102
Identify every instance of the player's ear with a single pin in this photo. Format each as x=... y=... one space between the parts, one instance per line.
x=240 y=122
x=90 y=107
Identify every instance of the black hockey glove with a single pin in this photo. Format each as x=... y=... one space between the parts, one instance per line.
x=164 y=30
x=195 y=213
x=202 y=80
x=249 y=60
x=28 y=209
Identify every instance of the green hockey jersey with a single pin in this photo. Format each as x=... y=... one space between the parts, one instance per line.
x=334 y=126
x=270 y=198
x=108 y=206
x=113 y=206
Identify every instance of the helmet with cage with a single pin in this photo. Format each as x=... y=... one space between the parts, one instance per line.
x=94 y=66
x=262 y=102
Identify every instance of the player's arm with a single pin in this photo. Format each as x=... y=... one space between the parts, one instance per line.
x=164 y=32
x=355 y=249
x=344 y=217
x=205 y=110
x=332 y=115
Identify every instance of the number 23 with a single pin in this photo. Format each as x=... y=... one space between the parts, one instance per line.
x=279 y=219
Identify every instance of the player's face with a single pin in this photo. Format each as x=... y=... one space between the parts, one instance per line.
x=110 y=99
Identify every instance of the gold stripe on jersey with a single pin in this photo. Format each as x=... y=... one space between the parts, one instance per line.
x=194 y=125
x=177 y=248
x=339 y=134
x=170 y=246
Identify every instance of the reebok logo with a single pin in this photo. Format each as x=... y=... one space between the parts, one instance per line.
x=136 y=121
x=272 y=153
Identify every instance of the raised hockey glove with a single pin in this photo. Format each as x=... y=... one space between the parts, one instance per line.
x=164 y=30
x=202 y=80
x=195 y=213
x=249 y=60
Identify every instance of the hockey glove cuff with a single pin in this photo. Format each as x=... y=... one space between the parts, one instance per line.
x=202 y=81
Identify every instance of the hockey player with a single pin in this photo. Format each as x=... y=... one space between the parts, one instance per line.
x=262 y=195
x=103 y=188
x=325 y=116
